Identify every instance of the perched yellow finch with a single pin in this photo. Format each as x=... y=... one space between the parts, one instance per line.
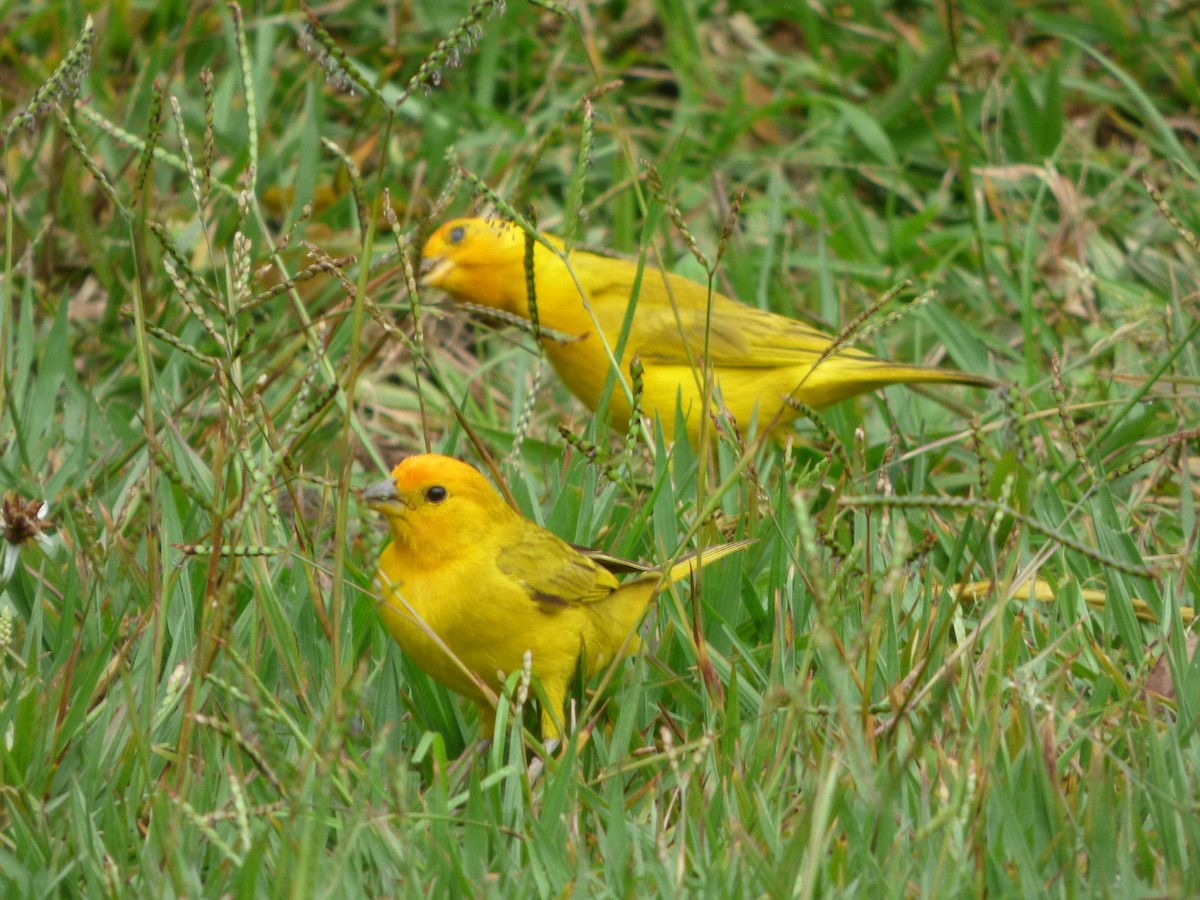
x=468 y=585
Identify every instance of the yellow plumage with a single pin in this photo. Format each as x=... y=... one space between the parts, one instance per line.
x=759 y=357
x=467 y=586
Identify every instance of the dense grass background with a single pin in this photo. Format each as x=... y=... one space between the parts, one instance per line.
x=825 y=714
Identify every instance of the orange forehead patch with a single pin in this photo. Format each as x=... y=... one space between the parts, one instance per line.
x=430 y=468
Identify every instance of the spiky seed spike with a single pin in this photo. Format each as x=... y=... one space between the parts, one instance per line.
x=63 y=83
x=531 y=279
x=243 y=52
x=154 y=129
x=735 y=210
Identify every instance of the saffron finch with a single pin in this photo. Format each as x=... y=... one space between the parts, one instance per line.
x=759 y=358
x=468 y=585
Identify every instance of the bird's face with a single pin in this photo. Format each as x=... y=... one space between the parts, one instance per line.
x=476 y=260
x=435 y=506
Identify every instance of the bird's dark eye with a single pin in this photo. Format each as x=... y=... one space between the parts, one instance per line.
x=435 y=494
x=456 y=234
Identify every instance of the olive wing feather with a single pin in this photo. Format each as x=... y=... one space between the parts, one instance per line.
x=553 y=573
x=750 y=338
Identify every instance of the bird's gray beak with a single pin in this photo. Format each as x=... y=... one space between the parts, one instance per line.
x=383 y=496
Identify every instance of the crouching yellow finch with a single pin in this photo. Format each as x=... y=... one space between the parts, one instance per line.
x=468 y=585
x=759 y=358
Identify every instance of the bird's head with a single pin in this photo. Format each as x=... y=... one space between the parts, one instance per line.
x=435 y=506
x=477 y=260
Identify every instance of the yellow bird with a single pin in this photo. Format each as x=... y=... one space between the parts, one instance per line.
x=468 y=585
x=760 y=358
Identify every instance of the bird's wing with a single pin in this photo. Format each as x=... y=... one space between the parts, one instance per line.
x=553 y=573
x=740 y=336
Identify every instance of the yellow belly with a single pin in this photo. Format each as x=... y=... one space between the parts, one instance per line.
x=486 y=622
